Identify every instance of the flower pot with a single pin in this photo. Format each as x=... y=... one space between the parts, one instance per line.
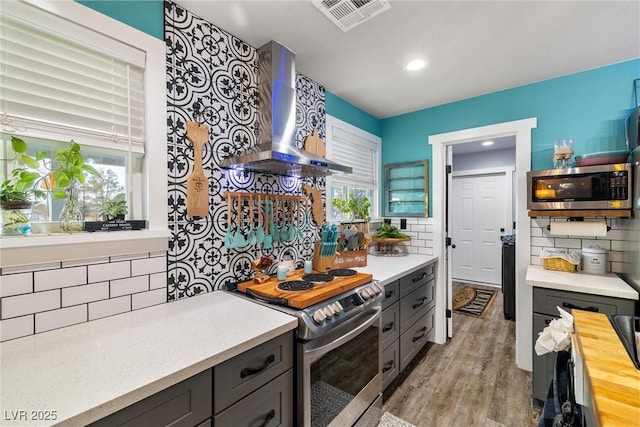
x=16 y=218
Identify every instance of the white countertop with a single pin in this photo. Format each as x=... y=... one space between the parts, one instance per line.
x=386 y=269
x=88 y=371
x=606 y=285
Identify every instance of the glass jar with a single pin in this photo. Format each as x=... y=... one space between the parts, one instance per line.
x=16 y=218
x=71 y=219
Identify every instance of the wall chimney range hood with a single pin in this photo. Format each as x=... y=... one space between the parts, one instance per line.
x=276 y=151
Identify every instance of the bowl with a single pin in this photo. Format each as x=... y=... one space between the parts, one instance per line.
x=603 y=158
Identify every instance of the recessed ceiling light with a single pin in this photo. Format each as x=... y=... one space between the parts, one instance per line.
x=487 y=143
x=416 y=64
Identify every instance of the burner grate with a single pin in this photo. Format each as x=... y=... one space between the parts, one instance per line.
x=318 y=278
x=342 y=272
x=295 y=286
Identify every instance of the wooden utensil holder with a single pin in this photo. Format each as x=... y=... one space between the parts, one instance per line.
x=321 y=264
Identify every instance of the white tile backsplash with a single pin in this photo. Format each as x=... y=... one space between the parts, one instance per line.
x=30 y=303
x=16 y=327
x=110 y=307
x=131 y=285
x=60 y=278
x=146 y=299
x=110 y=271
x=30 y=268
x=158 y=280
x=16 y=284
x=85 y=293
x=55 y=319
x=148 y=266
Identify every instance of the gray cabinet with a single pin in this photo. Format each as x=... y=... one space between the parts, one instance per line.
x=545 y=302
x=407 y=319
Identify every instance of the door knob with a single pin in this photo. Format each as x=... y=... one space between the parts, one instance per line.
x=453 y=246
x=502 y=230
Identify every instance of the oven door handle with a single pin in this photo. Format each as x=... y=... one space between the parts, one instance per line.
x=319 y=351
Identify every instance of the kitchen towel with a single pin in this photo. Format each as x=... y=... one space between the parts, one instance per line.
x=578 y=228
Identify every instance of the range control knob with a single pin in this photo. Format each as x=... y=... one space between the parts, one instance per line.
x=319 y=316
x=328 y=310
x=337 y=307
x=377 y=288
x=365 y=293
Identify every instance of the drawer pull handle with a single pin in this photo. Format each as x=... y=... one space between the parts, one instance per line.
x=423 y=332
x=418 y=304
x=252 y=371
x=416 y=279
x=547 y=322
x=387 y=366
x=577 y=307
x=389 y=293
x=387 y=327
x=271 y=415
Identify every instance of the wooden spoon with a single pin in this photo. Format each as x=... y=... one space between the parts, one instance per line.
x=197 y=182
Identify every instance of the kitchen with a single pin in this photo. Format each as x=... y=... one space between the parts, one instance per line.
x=189 y=250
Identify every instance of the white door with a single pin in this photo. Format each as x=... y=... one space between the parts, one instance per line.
x=479 y=218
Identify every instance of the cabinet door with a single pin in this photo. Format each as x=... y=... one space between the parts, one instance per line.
x=415 y=338
x=239 y=376
x=416 y=279
x=542 y=365
x=269 y=406
x=390 y=363
x=391 y=294
x=390 y=324
x=407 y=189
x=416 y=305
x=545 y=301
x=183 y=405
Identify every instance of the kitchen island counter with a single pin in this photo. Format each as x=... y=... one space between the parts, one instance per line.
x=82 y=373
x=386 y=269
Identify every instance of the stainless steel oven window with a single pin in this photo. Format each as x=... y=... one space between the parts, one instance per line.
x=341 y=373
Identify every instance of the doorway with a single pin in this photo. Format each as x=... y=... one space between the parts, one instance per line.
x=521 y=130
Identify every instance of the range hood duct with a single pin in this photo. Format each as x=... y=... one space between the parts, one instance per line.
x=276 y=151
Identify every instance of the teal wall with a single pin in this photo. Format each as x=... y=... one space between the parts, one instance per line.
x=341 y=109
x=145 y=15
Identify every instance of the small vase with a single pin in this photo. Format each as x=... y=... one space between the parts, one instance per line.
x=71 y=219
x=16 y=218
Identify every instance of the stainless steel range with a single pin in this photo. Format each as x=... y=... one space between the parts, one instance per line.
x=338 y=361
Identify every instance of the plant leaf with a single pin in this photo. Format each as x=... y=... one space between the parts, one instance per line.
x=30 y=161
x=18 y=145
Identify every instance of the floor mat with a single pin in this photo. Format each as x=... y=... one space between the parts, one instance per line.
x=473 y=301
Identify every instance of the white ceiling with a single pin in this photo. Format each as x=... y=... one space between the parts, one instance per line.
x=473 y=47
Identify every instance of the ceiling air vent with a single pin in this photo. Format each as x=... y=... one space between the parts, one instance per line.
x=348 y=14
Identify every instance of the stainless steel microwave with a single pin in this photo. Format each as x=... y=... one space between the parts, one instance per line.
x=589 y=187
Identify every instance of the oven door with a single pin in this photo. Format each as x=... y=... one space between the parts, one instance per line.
x=341 y=372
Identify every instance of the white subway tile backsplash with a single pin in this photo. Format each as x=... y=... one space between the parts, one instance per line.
x=158 y=280
x=131 y=285
x=540 y=222
x=16 y=327
x=110 y=271
x=60 y=278
x=568 y=243
x=603 y=244
x=536 y=232
x=85 y=293
x=425 y=251
x=617 y=235
x=146 y=299
x=60 y=318
x=542 y=241
x=425 y=236
x=158 y=253
x=30 y=303
x=16 y=284
x=110 y=307
x=418 y=228
x=620 y=245
x=148 y=266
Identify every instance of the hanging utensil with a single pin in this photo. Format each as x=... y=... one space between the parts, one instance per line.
x=197 y=182
x=238 y=238
x=299 y=234
x=286 y=229
x=251 y=237
x=260 y=232
x=268 y=238
x=274 y=220
x=228 y=238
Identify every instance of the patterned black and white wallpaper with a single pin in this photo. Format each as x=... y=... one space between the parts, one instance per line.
x=213 y=73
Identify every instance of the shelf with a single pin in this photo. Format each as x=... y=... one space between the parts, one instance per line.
x=610 y=213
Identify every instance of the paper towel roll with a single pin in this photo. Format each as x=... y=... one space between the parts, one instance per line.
x=578 y=228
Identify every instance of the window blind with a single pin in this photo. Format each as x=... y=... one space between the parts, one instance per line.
x=51 y=82
x=351 y=150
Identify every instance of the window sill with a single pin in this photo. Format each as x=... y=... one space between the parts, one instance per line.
x=39 y=249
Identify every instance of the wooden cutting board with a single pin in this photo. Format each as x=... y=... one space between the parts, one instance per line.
x=314 y=144
x=305 y=299
x=197 y=182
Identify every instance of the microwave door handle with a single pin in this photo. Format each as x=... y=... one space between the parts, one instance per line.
x=316 y=353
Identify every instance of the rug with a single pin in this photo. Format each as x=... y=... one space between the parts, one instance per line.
x=390 y=420
x=473 y=301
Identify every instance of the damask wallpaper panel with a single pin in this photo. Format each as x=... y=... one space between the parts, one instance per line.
x=212 y=79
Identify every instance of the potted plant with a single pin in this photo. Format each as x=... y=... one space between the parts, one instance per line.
x=353 y=208
x=114 y=209
x=20 y=190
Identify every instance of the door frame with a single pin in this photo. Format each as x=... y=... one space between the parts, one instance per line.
x=521 y=129
x=507 y=173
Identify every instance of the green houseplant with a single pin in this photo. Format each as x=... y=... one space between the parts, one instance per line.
x=354 y=207
x=114 y=209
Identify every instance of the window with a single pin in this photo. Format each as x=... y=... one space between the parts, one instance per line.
x=407 y=189
x=351 y=146
x=68 y=72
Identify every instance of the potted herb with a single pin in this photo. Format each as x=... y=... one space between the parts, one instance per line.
x=114 y=209
x=353 y=208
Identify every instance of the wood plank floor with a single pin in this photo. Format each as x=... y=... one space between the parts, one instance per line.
x=470 y=381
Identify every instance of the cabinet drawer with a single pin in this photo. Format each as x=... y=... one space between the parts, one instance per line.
x=391 y=294
x=545 y=301
x=237 y=377
x=390 y=324
x=184 y=404
x=415 y=305
x=415 y=338
x=269 y=406
x=416 y=279
x=390 y=360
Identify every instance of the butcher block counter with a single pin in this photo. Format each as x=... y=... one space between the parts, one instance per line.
x=612 y=383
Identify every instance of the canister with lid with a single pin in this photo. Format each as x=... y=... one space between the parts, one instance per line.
x=594 y=260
